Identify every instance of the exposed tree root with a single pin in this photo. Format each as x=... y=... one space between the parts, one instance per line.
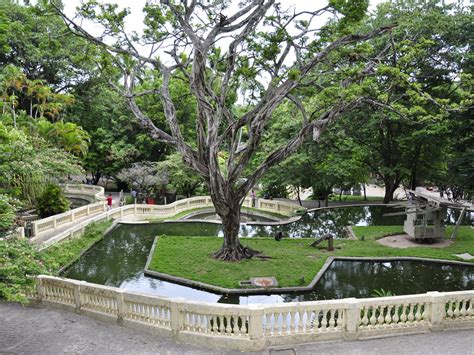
x=238 y=253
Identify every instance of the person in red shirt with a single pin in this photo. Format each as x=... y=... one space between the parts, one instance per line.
x=109 y=202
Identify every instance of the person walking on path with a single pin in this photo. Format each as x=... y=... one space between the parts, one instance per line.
x=253 y=197
x=109 y=202
x=134 y=196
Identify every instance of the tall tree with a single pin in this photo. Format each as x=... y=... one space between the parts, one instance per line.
x=36 y=40
x=192 y=33
x=424 y=88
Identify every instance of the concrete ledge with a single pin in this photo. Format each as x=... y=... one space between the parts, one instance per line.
x=356 y=205
x=277 y=290
x=262 y=213
x=402 y=258
x=301 y=338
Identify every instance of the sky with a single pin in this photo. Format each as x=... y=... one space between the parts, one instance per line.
x=135 y=19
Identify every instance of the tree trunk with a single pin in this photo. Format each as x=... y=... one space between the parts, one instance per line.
x=96 y=177
x=388 y=195
x=231 y=249
x=298 y=195
x=413 y=179
x=365 y=192
x=390 y=186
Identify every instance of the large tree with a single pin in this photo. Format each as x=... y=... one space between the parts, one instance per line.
x=217 y=52
x=426 y=86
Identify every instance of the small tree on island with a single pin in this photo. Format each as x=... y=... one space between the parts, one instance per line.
x=260 y=40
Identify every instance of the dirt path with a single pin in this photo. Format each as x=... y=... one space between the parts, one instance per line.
x=403 y=241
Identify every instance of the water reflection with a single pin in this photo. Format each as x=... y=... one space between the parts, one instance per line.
x=310 y=225
x=244 y=217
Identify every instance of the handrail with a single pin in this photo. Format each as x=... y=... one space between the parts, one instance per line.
x=50 y=224
x=252 y=327
x=97 y=192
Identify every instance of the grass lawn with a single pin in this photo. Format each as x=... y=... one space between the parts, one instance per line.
x=292 y=259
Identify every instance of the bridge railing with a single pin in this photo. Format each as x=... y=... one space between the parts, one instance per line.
x=97 y=211
x=49 y=224
x=253 y=327
x=96 y=192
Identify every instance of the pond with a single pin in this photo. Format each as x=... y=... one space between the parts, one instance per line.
x=312 y=224
x=78 y=202
x=244 y=217
x=119 y=259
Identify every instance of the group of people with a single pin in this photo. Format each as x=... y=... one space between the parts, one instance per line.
x=110 y=200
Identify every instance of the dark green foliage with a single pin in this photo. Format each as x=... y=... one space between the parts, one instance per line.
x=52 y=202
x=19 y=261
x=7 y=215
x=274 y=189
x=382 y=293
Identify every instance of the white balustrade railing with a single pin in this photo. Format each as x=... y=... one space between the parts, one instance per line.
x=253 y=327
x=93 y=191
x=52 y=223
x=98 y=212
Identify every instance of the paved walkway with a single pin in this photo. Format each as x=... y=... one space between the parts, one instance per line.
x=42 y=237
x=41 y=330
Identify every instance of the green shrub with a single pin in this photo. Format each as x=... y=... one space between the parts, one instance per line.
x=382 y=293
x=52 y=202
x=18 y=259
x=274 y=190
x=7 y=215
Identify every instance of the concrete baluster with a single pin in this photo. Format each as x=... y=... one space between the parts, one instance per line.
x=352 y=315
x=255 y=327
x=437 y=310
x=77 y=296
x=176 y=316
x=39 y=289
x=121 y=306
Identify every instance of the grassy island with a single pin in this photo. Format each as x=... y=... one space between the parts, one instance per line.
x=293 y=262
